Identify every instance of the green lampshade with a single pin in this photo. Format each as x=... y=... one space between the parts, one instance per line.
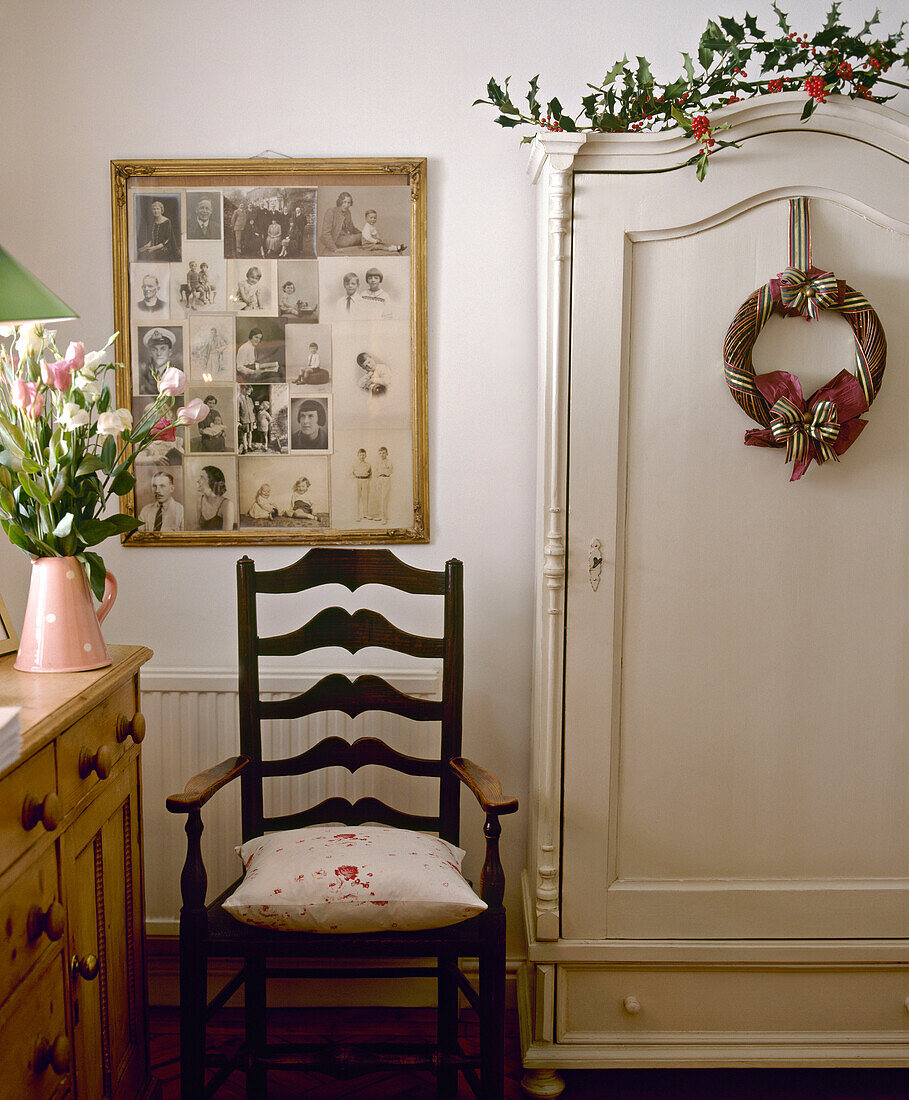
x=24 y=298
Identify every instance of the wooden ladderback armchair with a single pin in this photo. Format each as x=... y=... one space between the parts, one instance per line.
x=208 y=931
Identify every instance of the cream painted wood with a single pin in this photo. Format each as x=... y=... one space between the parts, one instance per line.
x=724 y=786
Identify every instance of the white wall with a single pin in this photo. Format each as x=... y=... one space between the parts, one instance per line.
x=86 y=82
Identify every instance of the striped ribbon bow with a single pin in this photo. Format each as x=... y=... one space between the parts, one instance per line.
x=800 y=428
x=807 y=292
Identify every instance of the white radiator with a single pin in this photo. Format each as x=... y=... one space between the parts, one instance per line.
x=192 y=724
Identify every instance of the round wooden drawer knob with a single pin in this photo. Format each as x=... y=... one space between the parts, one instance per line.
x=48 y=921
x=631 y=1005
x=56 y=1054
x=46 y=811
x=100 y=762
x=131 y=727
x=86 y=967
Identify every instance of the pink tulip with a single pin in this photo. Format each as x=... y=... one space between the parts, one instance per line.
x=26 y=397
x=193 y=411
x=164 y=429
x=59 y=374
x=172 y=382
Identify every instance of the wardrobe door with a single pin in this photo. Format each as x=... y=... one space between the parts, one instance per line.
x=735 y=752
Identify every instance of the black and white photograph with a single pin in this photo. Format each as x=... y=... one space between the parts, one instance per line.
x=308 y=351
x=159 y=347
x=269 y=223
x=358 y=290
x=152 y=281
x=203 y=216
x=298 y=291
x=262 y=427
x=363 y=221
x=285 y=493
x=161 y=451
x=217 y=432
x=212 y=354
x=252 y=287
x=310 y=424
x=157 y=234
x=159 y=498
x=260 y=349
x=371 y=374
x=199 y=282
x=210 y=493
x=371 y=484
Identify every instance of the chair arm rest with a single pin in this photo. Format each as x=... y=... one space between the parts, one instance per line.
x=202 y=786
x=485 y=786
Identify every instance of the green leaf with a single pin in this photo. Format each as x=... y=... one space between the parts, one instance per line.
x=808 y=109
x=13 y=439
x=702 y=167
x=15 y=536
x=781 y=18
x=705 y=56
x=64 y=527
x=93 y=531
x=735 y=30
x=554 y=108
x=644 y=75
x=109 y=453
x=34 y=489
x=59 y=487
x=97 y=572
x=123 y=482
x=833 y=15
x=567 y=123
x=681 y=118
x=6 y=478
x=689 y=67
x=752 y=27
x=7 y=501
x=504 y=120
x=615 y=72
x=532 y=102
x=89 y=465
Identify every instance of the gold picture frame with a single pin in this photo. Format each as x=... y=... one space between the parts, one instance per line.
x=292 y=293
x=9 y=639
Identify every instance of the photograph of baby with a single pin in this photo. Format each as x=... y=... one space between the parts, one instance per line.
x=210 y=493
x=310 y=419
x=150 y=291
x=260 y=349
x=198 y=282
x=212 y=356
x=371 y=479
x=360 y=221
x=157 y=348
x=358 y=290
x=308 y=358
x=217 y=432
x=159 y=498
x=371 y=377
x=203 y=216
x=270 y=222
x=157 y=222
x=162 y=451
x=279 y=493
x=298 y=290
x=261 y=420
x=252 y=287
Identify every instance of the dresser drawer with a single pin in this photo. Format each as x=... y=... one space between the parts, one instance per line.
x=89 y=749
x=600 y=1004
x=33 y=1026
x=31 y=918
x=31 y=788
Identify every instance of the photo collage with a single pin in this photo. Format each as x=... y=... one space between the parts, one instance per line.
x=288 y=308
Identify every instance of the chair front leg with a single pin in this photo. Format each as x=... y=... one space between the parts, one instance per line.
x=193 y=965
x=492 y=1009
x=254 y=1001
x=447 y=1022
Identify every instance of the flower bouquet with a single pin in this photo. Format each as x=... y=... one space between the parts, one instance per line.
x=66 y=449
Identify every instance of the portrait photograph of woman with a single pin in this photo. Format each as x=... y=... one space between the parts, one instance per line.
x=210 y=493
x=216 y=434
x=363 y=221
x=157 y=228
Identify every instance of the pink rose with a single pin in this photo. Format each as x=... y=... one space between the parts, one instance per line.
x=75 y=355
x=193 y=411
x=164 y=429
x=172 y=382
x=59 y=374
x=27 y=398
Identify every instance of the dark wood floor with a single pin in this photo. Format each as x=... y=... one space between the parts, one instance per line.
x=313 y=1024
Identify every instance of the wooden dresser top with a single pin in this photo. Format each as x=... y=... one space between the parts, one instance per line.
x=51 y=701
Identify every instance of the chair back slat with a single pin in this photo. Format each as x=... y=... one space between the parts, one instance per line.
x=336 y=692
x=353 y=569
x=335 y=752
x=339 y=810
x=336 y=627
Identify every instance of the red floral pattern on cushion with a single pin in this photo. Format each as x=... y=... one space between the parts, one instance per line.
x=384 y=879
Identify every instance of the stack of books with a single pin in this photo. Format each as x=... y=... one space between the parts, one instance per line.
x=10 y=735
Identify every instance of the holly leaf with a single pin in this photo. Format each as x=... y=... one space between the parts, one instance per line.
x=781 y=18
x=532 y=101
x=554 y=108
x=808 y=109
x=752 y=27
x=504 y=120
x=735 y=30
x=645 y=76
x=616 y=71
x=689 y=67
x=701 y=171
x=681 y=118
x=705 y=56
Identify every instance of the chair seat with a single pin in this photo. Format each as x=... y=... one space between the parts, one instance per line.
x=228 y=936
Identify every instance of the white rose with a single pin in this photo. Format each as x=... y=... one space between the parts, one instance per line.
x=113 y=423
x=6 y=331
x=92 y=359
x=89 y=387
x=72 y=417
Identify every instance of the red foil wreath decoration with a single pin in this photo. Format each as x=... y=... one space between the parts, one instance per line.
x=826 y=424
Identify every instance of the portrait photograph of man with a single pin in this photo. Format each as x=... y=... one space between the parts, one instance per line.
x=203 y=215
x=151 y=291
x=159 y=498
x=160 y=347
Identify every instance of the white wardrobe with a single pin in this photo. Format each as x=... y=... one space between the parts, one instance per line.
x=718 y=870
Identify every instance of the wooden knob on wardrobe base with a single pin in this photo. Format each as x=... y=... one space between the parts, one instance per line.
x=56 y=1054
x=100 y=762
x=131 y=727
x=46 y=811
x=50 y=922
